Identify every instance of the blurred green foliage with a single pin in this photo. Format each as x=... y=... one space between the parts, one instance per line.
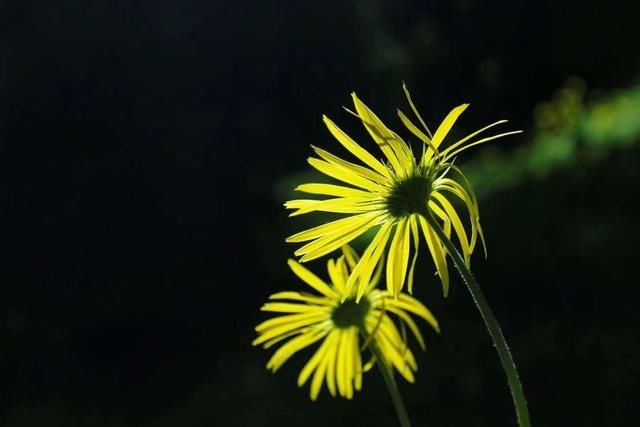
x=568 y=129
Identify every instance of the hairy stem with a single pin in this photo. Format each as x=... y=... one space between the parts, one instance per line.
x=490 y=321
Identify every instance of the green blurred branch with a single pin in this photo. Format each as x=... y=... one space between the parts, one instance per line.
x=567 y=130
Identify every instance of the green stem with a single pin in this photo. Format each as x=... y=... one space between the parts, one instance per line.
x=390 y=382
x=490 y=321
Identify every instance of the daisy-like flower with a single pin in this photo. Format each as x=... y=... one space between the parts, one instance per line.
x=394 y=195
x=342 y=325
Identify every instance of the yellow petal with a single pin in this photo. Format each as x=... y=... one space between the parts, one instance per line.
x=357 y=364
x=292 y=347
x=350 y=256
x=284 y=307
x=311 y=365
x=337 y=226
x=468 y=137
x=446 y=226
x=416 y=248
x=279 y=320
x=340 y=364
x=286 y=328
x=409 y=321
x=398 y=258
x=311 y=279
x=363 y=270
x=393 y=335
x=408 y=303
x=437 y=253
x=301 y=296
x=331 y=242
x=367 y=366
x=345 y=175
x=394 y=148
x=369 y=174
x=470 y=194
x=348 y=360
x=355 y=148
x=417 y=132
x=332 y=190
x=336 y=275
x=393 y=358
x=279 y=338
x=400 y=356
x=331 y=362
x=349 y=205
x=481 y=141
x=318 y=376
x=457 y=225
x=377 y=274
x=365 y=277
x=447 y=124
x=413 y=107
x=472 y=209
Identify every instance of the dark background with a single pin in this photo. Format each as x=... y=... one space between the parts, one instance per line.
x=145 y=151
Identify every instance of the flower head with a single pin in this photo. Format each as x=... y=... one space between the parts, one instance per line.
x=394 y=195
x=334 y=318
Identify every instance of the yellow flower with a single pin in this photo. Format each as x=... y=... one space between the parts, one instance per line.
x=336 y=319
x=394 y=195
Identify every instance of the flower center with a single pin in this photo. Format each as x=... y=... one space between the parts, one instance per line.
x=409 y=196
x=350 y=313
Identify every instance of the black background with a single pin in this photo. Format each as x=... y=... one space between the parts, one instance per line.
x=141 y=148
